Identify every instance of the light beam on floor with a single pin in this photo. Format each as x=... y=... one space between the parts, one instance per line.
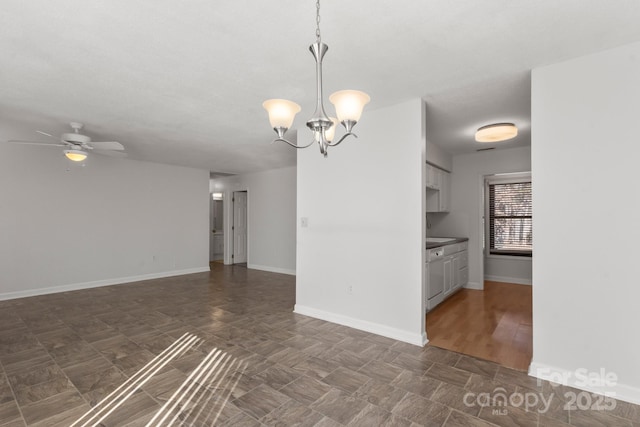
x=117 y=397
x=215 y=366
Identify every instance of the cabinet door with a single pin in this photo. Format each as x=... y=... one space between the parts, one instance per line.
x=455 y=273
x=425 y=284
x=433 y=180
x=448 y=276
x=463 y=274
x=429 y=172
x=445 y=191
x=463 y=271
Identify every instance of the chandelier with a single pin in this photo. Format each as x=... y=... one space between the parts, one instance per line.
x=348 y=105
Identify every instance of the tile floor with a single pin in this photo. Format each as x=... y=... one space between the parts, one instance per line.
x=120 y=355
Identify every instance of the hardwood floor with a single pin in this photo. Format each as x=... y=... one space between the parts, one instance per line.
x=227 y=350
x=494 y=324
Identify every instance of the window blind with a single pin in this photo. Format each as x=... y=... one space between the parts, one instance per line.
x=510 y=223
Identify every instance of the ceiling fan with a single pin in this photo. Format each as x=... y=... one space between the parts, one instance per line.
x=77 y=146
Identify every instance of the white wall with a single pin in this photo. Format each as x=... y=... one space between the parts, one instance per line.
x=271 y=218
x=585 y=154
x=508 y=269
x=365 y=205
x=465 y=216
x=109 y=221
x=439 y=157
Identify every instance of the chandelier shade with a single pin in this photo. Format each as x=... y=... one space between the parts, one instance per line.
x=349 y=104
x=281 y=112
x=331 y=132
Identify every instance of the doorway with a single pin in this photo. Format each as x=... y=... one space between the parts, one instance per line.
x=494 y=321
x=239 y=253
x=216 y=224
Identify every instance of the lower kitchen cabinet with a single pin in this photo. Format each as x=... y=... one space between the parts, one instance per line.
x=446 y=274
x=455 y=271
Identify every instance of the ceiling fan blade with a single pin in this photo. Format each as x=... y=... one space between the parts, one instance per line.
x=107 y=145
x=109 y=153
x=48 y=144
x=46 y=134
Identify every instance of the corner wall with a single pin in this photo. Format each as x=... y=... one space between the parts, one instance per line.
x=361 y=258
x=66 y=226
x=585 y=172
x=271 y=221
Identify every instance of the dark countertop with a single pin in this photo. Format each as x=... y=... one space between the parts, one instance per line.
x=450 y=242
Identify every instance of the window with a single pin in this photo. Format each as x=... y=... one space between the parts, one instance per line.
x=510 y=225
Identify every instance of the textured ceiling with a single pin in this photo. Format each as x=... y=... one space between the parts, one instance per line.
x=183 y=82
x=454 y=116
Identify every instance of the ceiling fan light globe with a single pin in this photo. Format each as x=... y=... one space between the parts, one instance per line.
x=75 y=155
x=349 y=104
x=281 y=112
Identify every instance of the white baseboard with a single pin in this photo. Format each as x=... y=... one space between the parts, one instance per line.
x=272 y=269
x=99 y=283
x=503 y=279
x=363 y=325
x=474 y=285
x=551 y=373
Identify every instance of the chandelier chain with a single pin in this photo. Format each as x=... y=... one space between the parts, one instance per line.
x=318 y=39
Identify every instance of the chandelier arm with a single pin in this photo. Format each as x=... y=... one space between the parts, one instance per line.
x=292 y=144
x=342 y=139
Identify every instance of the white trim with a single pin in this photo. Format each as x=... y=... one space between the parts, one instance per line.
x=509 y=178
x=516 y=280
x=272 y=269
x=481 y=238
x=474 y=285
x=425 y=340
x=509 y=257
x=99 y=283
x=551 y=373
x=363 y=325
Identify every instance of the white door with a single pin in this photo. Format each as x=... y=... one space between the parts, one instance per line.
x=239 y=227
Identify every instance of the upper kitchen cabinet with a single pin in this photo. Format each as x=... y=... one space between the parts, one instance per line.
x=433 y=177
x=438 y=180
x=438 y=190
x=444 y=201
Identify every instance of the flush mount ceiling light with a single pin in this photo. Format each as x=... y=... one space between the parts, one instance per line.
x=348 y=104
x=496 y=132
x=75 y=155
